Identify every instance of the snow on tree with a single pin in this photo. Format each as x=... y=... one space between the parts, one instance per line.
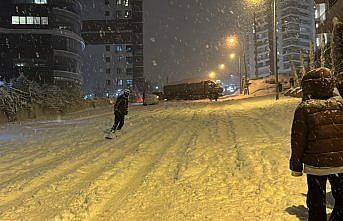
x=302 y=63
x=312 y=56
x=322 y=52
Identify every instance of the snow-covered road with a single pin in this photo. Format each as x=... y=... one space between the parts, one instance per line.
x=173 y=161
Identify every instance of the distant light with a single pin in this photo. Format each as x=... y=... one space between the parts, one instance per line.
x=156 y=87
x=212 y=74
x=232 y=56
x=222 y=66
x=231 y=41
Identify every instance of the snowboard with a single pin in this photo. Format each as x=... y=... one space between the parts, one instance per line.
x=108 y=134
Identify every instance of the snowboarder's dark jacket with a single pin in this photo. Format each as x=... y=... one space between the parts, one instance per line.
x=121 y=105
x=317 y=134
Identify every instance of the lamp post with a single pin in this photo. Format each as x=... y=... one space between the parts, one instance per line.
x=275 y=55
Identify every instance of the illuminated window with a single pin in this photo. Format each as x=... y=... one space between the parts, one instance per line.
x=118 y=48
x=45 y=20
x=15 y=20
x=36 y=20
x=40 y=2
x=127 y=13
x=22 y=20
x=29 y=20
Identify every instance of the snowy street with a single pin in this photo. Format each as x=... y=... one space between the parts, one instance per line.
x=186 y=160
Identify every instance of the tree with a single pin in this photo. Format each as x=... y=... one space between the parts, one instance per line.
x=312 y=56
x=302 y=62
x=322 y=50
x=294 y=71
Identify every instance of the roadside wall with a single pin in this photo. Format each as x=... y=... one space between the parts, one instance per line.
x=38 y=112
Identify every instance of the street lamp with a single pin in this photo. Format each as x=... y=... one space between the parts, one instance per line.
x=221 y=66
x=275 y=62
x=231 y=41
x=212 y=75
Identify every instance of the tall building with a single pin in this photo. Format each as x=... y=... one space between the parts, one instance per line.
x=42 y=40
x=325 y=11
x=113 y=58
x=263 y=40
x=295 y=30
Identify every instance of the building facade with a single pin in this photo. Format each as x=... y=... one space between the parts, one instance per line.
x=295 y=30
x=113 y=58
x=263 y=38
x=42 y=40
x=326 y=10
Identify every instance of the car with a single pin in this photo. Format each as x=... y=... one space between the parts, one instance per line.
x=151 y=99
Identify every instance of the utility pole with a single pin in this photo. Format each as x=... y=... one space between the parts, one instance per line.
x=246 y=85
x=240 y=74
x=275 y=55
x=255 y=43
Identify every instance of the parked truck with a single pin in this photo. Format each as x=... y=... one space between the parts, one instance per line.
x=193 y=91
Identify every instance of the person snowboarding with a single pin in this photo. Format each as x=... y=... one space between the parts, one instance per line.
x=120 y=111
x=317 y=143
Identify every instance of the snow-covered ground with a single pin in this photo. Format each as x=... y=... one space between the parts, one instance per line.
x=173 y=161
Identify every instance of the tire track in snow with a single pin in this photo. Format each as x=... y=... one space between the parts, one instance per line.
x=108 y=201
x=167 y=170
x=64 y=171
x=44 y=124
x=259 y=154
x=41 y=153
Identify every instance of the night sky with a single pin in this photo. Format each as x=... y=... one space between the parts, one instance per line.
x=185 y=38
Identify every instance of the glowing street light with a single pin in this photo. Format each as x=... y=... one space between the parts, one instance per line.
x=231 y=41
x=232 y=56
x=222 y=66
x=212 y=75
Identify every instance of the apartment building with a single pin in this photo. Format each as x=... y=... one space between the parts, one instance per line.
x=113 y=58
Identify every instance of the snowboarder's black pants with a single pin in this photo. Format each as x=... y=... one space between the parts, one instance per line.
x=119 y=120
x=316 y=197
